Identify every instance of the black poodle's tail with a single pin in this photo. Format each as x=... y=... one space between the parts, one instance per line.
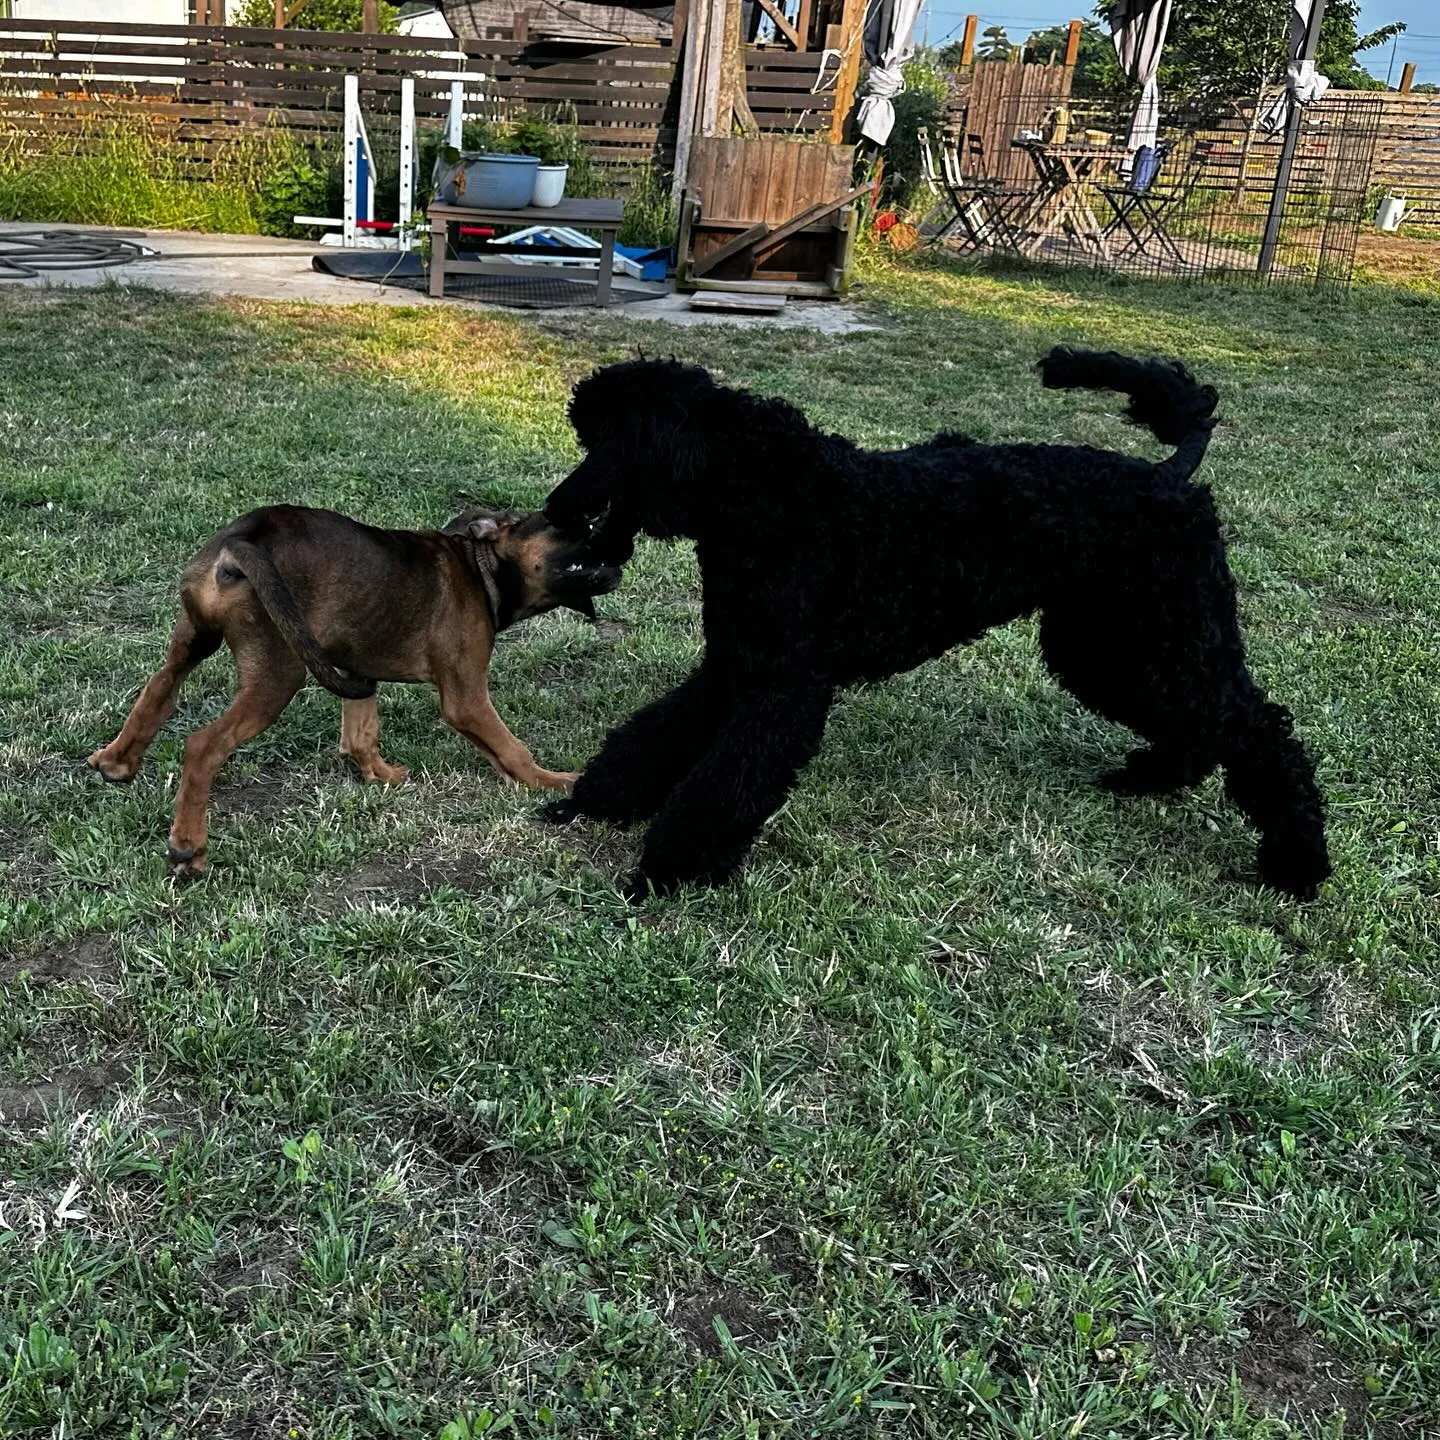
x=1164 y=397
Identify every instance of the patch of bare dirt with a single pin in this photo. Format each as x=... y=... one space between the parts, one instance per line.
x=241 y=1284
x=612 y=631
x=784 y=1253
x=262 y=795
x=392 y=879
x=29 y=1106
x=89 y=959
x=1284 y=1372
x=1399 y=258
x=695 y=1317
x=1355 y=612
x=458 y=1142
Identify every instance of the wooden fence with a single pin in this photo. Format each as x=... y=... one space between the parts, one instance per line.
x=999 y=98
x=216 y=81
x=1407 y=158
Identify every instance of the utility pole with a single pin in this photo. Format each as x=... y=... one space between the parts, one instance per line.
x=1293 y=120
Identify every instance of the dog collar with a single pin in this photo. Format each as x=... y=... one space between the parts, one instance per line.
x=485 y=564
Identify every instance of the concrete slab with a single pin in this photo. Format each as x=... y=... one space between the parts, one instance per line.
x=262 y=267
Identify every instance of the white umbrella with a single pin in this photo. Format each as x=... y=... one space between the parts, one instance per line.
x=1138 y=28
x=889 y=30
x=1304 y=84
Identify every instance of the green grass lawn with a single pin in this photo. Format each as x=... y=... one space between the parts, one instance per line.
x=981 y=1105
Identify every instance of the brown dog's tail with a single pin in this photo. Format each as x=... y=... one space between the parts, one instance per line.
x=1164 y=397
x=258 y=568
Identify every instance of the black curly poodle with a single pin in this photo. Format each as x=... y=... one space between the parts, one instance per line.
x=824 y=564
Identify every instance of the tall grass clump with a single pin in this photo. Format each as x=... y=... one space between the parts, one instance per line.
x=134 y=171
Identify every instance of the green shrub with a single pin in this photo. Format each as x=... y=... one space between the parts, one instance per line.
x=317 y=15
x=649 y=214
x=920 y=105
x=299 y=179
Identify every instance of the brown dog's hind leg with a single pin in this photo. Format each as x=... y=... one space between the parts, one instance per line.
x=119 y=761
x=360 y=741
x=270 y=675
x=465 y=706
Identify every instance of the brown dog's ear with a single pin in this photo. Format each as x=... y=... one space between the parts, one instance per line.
x=483 y=527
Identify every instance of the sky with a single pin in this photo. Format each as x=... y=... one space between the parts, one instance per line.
x=1420 y=42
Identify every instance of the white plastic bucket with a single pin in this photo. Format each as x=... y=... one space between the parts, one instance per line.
x=1390 y=213
x=549 y=186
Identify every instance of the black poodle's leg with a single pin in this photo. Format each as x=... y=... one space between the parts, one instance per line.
x=712 y=817
x=1118 y=667
x=1270 y=776
x=1178 y=677
x=643 y=759
x=1159 y=769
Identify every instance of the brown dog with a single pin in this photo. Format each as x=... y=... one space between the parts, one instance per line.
x=292 y=590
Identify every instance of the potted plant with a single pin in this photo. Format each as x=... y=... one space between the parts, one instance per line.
x=555 y=146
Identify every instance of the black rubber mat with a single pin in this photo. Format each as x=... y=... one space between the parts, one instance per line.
x=542 y=289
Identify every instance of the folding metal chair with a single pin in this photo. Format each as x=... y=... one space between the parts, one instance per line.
x=1140 y=204
x=976 y=203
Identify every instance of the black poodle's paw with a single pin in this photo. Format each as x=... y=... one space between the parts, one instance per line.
x=1123 y=781
x=1296 y=868
x=563 y=811
x=642 y=887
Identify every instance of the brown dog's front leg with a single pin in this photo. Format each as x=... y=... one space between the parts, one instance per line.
x=465 y=706
x=360 y=740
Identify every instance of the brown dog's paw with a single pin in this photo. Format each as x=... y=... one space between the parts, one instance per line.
x=186 y=866
x=381 y=772
x=109 y=770
x=555 y=780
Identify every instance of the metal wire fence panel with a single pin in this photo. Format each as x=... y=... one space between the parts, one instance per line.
x=1196 y=209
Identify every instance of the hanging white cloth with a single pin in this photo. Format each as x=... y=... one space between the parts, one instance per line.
x=1304 y=84
x=889 y=29
x=1138 y=28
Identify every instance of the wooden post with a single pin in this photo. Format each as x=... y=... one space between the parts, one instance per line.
x=692 y=73
x=1072 y=44
x=279 y=14
x=1407 y=77
x=370 y=17
x=967 y=40
x=802 y=23
x=708 y=101
x=520 y=27
x=852 y=29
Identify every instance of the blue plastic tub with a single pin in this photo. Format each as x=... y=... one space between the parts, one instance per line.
x=491 y=182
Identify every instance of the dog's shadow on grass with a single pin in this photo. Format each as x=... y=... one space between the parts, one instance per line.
x=1013 y=754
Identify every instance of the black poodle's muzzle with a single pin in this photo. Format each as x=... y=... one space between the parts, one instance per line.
x=584 y=504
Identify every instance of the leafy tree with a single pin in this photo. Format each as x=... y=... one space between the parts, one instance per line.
x=1096 y=68
x=1230 y=55
x=315 y=15
x=1221 y=53
x=994 y=44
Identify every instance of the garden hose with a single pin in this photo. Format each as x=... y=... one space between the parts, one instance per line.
x=29 y=254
